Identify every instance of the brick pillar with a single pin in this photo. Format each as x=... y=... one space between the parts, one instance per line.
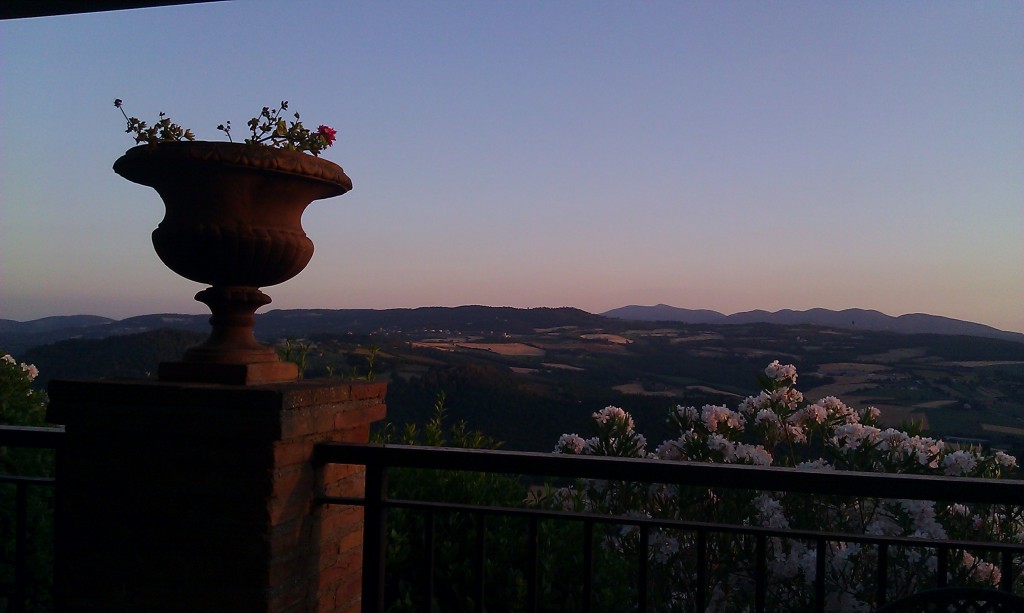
x=199 y=497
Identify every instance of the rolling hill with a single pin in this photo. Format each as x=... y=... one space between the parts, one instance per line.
x=527 y=375
x=849 y=319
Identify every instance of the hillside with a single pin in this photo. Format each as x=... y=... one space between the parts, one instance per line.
x=131 y=356
x=527 y=376
x=16 y=337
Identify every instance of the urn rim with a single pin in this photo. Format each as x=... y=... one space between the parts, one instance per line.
x=148 y=164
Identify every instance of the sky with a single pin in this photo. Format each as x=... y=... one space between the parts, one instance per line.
x=719 y=155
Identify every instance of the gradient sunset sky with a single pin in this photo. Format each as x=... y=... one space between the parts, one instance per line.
x=720 y=155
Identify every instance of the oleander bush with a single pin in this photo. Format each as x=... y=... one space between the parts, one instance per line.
x=22 y=405
x=779 y=428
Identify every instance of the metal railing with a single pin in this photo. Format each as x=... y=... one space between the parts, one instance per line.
x=378 y=459
x=16 y=593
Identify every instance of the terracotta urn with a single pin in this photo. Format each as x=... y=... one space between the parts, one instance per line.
x=233 y=220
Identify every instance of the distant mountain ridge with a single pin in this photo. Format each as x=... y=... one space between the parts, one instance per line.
x=16 y=337
x=49 y=324
x=849 y=319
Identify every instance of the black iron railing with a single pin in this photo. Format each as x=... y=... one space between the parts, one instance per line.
x=378 y=459
x=21 y=587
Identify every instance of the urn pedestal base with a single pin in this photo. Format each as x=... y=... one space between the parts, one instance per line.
x=232 y=355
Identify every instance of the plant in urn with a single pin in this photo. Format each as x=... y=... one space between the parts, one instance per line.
x=233 y=220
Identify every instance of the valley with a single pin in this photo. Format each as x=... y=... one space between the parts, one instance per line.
x=525 y=376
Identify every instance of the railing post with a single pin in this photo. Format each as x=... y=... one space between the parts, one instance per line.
x=20 y=547
x=642 y=578
x=761 y=574
x=532 y=566
x=588 y=564
x=819 y=575
x=702 y=569
x=883 y=575
x=942 y=566
x=429 y=545
x=374 y=535
x=481 y=562
x=1006 y=572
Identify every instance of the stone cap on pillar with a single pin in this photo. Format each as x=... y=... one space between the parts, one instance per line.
x=230 y=374
x=212 y=410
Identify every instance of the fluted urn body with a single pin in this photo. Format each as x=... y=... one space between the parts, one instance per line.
x=233 y=220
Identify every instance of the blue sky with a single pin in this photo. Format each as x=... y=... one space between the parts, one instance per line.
x=722 y=155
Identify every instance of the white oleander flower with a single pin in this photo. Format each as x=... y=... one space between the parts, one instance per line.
x=959 y=509
x=788 y=397
x=836 y=409
x=815 y=412
x=770 y=512
x=712 y=415
x=570 y=443
x=687 y=414
x=755 y=454
x=796 y=433
x=781 y=372
x=671 y=450
x=31 y=369
x=819 y=464
x=922 y=519
x=959 y=463
x=611 y=413
x=752 y=404
x=987 y=572
x=1005 y=459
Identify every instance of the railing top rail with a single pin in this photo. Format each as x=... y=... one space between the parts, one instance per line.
x=823 y=482
x=19 y=480
x=675 y=524
x=31 y=436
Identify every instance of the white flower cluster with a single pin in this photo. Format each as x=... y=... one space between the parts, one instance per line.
x=713 y=415
x=981 y=571
x=26 y=374
x=781 y=372
x=739 y=453
x=1005 y=460
x=959 y=463
x=29 y=369
x=570 y=443
x=778 y=427
x=612 y=414
x=770 y=512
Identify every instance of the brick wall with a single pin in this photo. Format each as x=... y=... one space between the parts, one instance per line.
x=193 y=497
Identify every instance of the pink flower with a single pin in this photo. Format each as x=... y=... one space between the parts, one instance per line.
x=570 y=443
x=328 y=133
x=31 y=369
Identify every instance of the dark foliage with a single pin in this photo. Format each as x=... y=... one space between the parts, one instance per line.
x=133 y=356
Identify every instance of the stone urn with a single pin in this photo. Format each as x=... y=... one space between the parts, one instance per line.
x=233 y=220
